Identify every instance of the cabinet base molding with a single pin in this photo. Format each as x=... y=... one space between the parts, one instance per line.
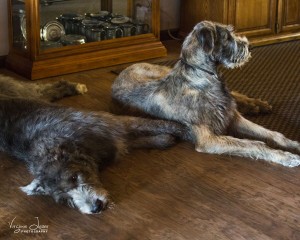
x=260 y=41
x=89 y=60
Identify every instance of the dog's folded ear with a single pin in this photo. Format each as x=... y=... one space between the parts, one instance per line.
x=205 y=37
x=34 y=188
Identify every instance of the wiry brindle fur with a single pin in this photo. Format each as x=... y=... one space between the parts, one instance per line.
x=64 y=148
x=193 y=93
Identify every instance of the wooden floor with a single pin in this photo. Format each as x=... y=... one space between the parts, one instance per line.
x=173 y=194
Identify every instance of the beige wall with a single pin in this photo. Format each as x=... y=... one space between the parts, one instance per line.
x=169 y=20
x=169 y=14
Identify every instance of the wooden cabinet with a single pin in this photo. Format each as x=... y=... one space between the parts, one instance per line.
x=49 y=37
x=262 y=21
x=289 y=15
x=253 y=18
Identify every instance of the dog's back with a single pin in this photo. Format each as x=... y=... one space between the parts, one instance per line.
x=30 y=128
x=136 y=85
x=138 y=78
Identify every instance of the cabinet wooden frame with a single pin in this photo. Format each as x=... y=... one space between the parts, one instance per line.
x=35 y=63
x=235 y=18
x=262 y=21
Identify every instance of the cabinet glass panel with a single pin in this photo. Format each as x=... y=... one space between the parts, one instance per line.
x=75 y=22
x=19 y=24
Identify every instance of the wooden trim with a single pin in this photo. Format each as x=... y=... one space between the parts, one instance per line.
x=106 y=5
x=10 y=28
x=274 y=15
x=231 y=12
x=95 y=46
x=274 y=39
x=33 y=27
x=254 y=33
x=80 y=62
x=226 y=12
x=156 y=17
x=280 y=11
x=130 y=10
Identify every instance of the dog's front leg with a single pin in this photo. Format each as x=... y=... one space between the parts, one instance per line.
x=208 y=142
x=242 y=127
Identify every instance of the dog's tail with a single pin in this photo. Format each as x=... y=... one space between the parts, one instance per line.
x=154 y=133
x=160 y=141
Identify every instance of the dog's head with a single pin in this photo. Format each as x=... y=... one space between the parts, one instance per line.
x=75 y=183
x=217 y=43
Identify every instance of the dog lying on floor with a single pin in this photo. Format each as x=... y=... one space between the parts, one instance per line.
x=193 y=94
x=64 y=148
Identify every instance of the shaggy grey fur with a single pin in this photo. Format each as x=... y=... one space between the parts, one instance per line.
x=193 y=94
x=64 y=148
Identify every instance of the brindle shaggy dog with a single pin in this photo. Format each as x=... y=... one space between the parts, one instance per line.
x=193 y=94
x=64 y=148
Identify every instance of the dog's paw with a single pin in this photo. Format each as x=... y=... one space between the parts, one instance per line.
x=289 y=160
x=81 y=88
x=34 y=188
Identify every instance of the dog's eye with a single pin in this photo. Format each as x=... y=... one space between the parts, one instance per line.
x=74 y=178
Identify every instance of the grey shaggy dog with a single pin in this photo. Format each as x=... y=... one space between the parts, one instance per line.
x=65 y=148
x=194 y=94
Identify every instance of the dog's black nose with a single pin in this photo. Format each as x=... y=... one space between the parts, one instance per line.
x=98 y=206
x=250 y=47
